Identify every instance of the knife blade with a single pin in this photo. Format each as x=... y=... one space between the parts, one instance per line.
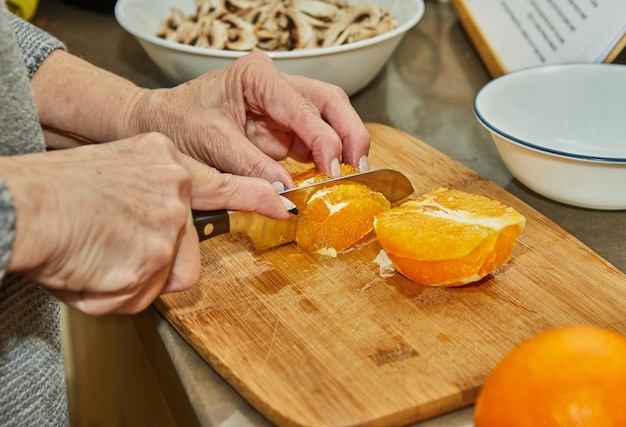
x=267 y=232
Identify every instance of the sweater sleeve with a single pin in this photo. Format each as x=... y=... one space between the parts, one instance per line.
x=35 y=43
x=7 y=226
x=18 y=117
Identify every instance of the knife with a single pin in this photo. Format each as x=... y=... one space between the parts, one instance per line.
x=267 y=232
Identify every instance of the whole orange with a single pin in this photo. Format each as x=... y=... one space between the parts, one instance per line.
x=570 y=376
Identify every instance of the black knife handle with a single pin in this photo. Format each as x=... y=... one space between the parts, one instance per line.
x=211 y=223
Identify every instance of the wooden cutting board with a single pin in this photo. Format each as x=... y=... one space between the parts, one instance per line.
x=313 y=341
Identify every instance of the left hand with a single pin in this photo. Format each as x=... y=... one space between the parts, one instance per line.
x=243 y=118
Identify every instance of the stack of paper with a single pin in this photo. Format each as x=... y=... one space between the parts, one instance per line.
x=515 y=34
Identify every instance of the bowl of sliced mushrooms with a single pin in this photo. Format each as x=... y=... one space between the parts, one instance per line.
x=338 y=41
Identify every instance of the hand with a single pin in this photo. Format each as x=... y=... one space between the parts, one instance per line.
x=107 y=228
x=242 y=118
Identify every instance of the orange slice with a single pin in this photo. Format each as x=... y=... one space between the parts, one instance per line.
x=448 y=237
x=338 y=217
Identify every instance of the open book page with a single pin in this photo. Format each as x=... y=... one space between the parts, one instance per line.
x=524 y=33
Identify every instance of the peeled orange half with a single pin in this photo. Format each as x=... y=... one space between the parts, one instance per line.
x=448 y=237
x=338 y=217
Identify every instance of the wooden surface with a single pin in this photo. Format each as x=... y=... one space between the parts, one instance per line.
x=324 y=342
x=110 y=381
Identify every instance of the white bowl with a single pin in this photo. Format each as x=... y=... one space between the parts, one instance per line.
x=351 y=66
x=561 y=130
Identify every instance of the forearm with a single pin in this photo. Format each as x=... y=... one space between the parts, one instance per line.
x=76 y=98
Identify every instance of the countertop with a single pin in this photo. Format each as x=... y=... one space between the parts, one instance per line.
x=426 y=90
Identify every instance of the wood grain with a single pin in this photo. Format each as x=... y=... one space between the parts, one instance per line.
x=315 y=341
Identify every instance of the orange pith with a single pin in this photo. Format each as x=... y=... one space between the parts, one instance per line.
x=448 y=237
x=337 y=217
x=571 y=376
x=313 y=175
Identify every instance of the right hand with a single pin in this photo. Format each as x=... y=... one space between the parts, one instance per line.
x=108 y=227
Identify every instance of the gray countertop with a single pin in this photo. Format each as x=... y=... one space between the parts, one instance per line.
x=426 y=90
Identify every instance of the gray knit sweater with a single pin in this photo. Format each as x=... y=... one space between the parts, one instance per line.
x=32 y=378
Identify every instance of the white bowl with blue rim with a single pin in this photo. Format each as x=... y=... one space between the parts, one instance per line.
x=561 y=130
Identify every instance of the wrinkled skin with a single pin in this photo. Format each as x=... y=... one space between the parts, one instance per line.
x=245 y=120
x=107 y=227
x=104 y=244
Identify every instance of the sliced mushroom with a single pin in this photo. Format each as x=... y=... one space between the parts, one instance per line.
x=167 y=32
x=210 y=5
x=316 y=8
x=386 y=23
x=271 y=44
x=176 y=18
x=218 y=35
x=362 y=14
x=170 y=25
x=243 y=5
x=203 y=41
x=275 y=24
x=187 y=32
x=360 y=32
x=302 y=34
x=339 y=3
x=316 y=22
x=241 y=40
x=240 y=33
x=203 y=26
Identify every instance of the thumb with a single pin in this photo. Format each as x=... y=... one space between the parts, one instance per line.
x=211 y=189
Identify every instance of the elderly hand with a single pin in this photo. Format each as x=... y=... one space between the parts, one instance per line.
x=242 y=118
x=116 y=217
x=107 y=228
x=239 y=119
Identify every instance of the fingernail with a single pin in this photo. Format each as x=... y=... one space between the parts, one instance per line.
x=335 y=170
x=279 y=186
x=364 y=164
x=289 y=205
